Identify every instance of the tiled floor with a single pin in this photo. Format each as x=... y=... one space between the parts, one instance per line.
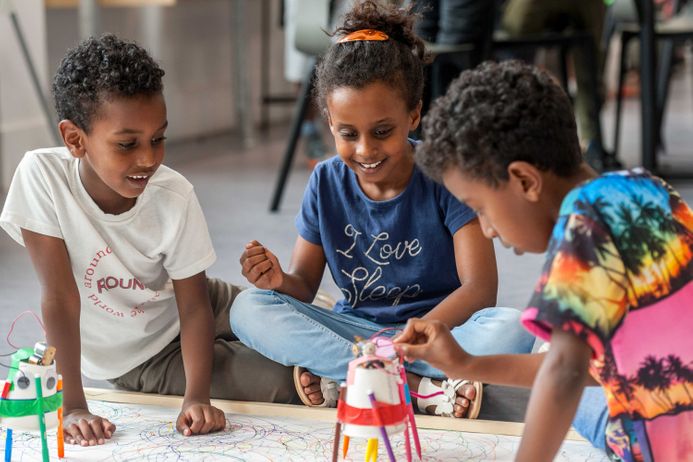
x=234 y=187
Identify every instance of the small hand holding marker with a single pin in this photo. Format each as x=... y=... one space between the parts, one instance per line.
x=86 y=429
x=198 y=418
x=261 y=267
x=430 y=341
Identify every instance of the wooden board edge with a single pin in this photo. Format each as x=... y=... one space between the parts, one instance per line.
x=310 y=413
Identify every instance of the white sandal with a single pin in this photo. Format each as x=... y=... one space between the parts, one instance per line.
x=445 y=403
x=328 y=387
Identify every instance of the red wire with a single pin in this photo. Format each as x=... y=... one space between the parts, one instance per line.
x=15 y=322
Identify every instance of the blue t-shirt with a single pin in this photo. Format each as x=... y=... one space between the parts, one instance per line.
x=392 y=259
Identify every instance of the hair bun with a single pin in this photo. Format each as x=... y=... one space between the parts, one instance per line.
x=397 y=23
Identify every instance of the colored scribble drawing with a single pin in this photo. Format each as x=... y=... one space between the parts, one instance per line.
x=147 y=433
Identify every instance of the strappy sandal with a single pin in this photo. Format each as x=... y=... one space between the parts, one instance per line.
x=328 y=387
x=445 y=403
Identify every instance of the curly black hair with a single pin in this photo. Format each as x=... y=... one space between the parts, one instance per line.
x=496 y=114
x=100 y=68
x=397 y=61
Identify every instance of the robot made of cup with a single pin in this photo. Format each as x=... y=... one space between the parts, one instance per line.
x=32 y=397
x=374 y=403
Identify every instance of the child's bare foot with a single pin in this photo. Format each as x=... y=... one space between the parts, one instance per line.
x=465 y=396
x=311 y=387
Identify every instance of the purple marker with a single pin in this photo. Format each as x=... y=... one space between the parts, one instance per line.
x=379 y=422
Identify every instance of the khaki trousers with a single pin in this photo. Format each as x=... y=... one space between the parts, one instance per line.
x=239 y=373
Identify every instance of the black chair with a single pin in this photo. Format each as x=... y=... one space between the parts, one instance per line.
x=312 y=40
x=667 y=34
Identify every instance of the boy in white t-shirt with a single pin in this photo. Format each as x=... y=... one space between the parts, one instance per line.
x=120 y=247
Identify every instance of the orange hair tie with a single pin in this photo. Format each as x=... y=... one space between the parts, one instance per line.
x=366 y=35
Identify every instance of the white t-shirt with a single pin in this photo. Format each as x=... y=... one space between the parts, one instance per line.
x=122 y=264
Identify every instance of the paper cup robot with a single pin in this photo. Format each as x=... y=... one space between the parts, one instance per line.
x=32 y=397
x=374 y=403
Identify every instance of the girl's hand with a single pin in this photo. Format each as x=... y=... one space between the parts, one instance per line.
x=86 y=429
x=261 y=267
x=432 y=342
x=197 y=418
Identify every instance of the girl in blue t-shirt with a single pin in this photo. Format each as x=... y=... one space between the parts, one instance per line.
x=397 y=244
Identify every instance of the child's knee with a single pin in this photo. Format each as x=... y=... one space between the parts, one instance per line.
x=501 y=331
x=518 y=339
x=246 y=309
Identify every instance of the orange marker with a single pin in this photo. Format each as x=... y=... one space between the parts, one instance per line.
x=61 y=441
x=345 y=447
x=61 y=437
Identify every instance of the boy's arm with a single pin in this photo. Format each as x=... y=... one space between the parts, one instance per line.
x=60 y=306
x=555 y=397
x=476 y=267
x=432 y=342
x=197 y=344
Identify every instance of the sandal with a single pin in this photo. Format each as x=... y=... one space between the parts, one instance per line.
x=328 y=387
x=445 y=403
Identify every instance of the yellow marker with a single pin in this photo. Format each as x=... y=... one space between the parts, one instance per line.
x=372 y=449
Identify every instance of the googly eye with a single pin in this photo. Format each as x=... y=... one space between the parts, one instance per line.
x=23 y=382
x=50 y=381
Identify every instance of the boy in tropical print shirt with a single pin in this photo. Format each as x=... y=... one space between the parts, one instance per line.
x=618 y=275
x=615 y=296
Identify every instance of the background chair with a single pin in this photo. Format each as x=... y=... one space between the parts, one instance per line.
x=311 y=40
x=667 y=34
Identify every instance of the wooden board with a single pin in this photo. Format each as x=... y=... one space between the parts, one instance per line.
x=311 y=413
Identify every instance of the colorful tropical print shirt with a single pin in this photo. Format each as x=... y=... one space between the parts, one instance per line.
x=619 y=274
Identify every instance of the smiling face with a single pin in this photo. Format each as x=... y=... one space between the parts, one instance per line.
x=512 y=211
x=370 y=126
x=121 y=152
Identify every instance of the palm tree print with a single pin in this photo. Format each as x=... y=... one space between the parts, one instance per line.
x=619 y=275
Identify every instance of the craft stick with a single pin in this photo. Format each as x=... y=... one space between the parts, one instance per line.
x=42 y=420
x=379 y=422
x=8 y=445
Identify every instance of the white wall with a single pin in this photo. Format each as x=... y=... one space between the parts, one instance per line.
x=22 y=124
x=193 y=42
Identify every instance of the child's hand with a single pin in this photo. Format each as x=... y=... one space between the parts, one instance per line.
x=199 y=419
x=432 y=342
x=86 y=429
x=261 y=267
